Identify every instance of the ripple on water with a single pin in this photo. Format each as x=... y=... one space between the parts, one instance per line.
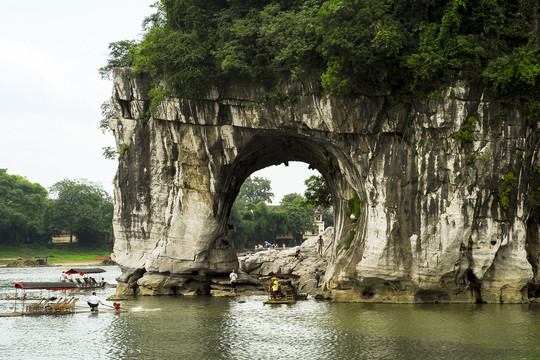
x=217 y=328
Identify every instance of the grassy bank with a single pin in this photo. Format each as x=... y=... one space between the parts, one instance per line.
x=61 y=254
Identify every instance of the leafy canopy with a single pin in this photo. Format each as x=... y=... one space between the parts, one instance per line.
x=255 y=222
x=254 y=190
x=318 y=192
x=22 y=207
x=82 y=210
x=301 y=214
x=348 y=47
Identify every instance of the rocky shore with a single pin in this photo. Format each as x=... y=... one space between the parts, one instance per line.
x=257 y=267
x=254 y=271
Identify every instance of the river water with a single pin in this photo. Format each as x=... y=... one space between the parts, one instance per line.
x=243 y=328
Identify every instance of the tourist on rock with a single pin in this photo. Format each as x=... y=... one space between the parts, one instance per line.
x=233 y=276
x=93 y=301
x=317 y=277
x=320 y=244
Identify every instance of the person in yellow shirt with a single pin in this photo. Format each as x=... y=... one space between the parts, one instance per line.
x=275 y=288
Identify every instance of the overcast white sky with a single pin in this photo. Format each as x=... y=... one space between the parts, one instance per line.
x=51 y=92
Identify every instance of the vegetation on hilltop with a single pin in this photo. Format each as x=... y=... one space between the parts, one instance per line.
x=348 y=47
x=345 y=48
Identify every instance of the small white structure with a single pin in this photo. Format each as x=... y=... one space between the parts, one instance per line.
x=319 y=227
x=95 y=184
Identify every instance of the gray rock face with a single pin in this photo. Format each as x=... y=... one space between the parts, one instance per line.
x=438 y=219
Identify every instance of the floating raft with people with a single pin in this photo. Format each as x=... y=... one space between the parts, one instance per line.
x=49 y=305
x=279 y=293
x=87 y=281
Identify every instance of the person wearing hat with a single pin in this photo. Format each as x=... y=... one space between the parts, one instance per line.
x=63 y=276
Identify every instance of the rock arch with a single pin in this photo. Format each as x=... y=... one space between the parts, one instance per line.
x=181 y=168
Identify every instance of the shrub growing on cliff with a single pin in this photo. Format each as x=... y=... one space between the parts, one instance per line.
x=466 y=133
x=534 y=193
x=505 y=188
x=354 y=205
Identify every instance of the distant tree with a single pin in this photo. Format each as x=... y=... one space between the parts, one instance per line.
x=253 y=221
x=328 y=217
x=255 y=224
x=318 y=192
x=300 y=214
x=255 y=190
x=82 y=210
x=22 y=205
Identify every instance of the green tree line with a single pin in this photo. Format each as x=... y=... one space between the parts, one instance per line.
x=254 y=221
x=344 y=47
x=28 y=215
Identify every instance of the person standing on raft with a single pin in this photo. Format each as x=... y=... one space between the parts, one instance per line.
x=93 y=301
x=275 y=288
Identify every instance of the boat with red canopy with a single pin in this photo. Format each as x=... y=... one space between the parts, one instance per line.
x=83 y=272
x=87 y=281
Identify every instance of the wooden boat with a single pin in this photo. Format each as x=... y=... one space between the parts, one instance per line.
x=83 y=272
x=285 y=295
x=87 y=281
x=279 y=301
x=44 y=305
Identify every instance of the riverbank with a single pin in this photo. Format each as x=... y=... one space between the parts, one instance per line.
x=52 y=255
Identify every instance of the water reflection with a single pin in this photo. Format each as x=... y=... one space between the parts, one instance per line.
x=244 y=328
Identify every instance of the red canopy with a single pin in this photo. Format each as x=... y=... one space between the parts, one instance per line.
x=85 y=271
